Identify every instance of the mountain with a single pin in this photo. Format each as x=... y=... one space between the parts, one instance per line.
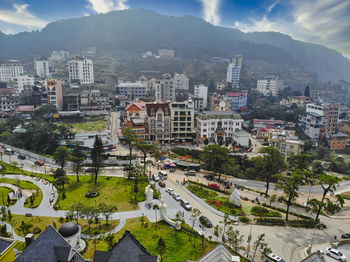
x=128 y=33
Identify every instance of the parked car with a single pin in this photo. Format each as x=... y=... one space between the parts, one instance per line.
x=186 y=205
x=176 y=196
x=39 y=163
x=249 y=150
x=163 y=174
x=206 y=221
x=155 y=178
x=9 y=151
x=216 y=186
x=161 y=184
x=345 y=236
x=170 y=191
x=190 y=173
x=335 y=253
x=209 y=177
x=22 y=157
x=273 y=257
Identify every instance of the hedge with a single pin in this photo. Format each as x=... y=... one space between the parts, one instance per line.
x=266 y=221
x=264 y=212
x=285 y=211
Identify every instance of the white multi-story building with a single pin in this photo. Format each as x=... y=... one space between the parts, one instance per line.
x=8 y=100
x=133 y=90
x=59 y=55
x=201 y=91
x=10 y=69
x=22 y=81
x=181 y=82
x=270 y=85
x=166 y=53
x=182 y=121
x=42 y=68
x=234 y=70
x=81 y=70
x=165 y=89
x=217 y=125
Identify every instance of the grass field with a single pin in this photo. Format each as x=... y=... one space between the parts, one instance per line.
x=4 y=191
x=115 y=191
x=89 y=126
x=43 y=222
x=178 y=247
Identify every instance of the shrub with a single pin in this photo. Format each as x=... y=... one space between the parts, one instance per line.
x=246 y=198
x=306 y=223
x=36 y=230
x=61 y=220
x=262 y=211
x=244 y=219
x=92 y=194
x=266 y=221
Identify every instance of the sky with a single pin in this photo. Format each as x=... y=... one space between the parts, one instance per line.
x=325 y=22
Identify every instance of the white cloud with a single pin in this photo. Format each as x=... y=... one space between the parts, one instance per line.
x=105 y=6
x=320 y=21
x=211 y=11
x=21 y=16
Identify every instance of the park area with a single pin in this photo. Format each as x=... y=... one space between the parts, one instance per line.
x=116 y=191
x=95 y=125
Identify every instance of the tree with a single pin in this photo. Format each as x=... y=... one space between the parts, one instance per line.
x=194 y=215
x=131 y=139
x=156 y=208
x=217 y=231
x=329 y=185
x=307 y=91
x=234 y=238
x=161 y=247
x=145 y=149
x=272 y=164
x=77 y=211
x=61 y=178
x=97 y=157
x=261 y=246
x=106 y=210
x=273 y=198
x=290 y=186
x=109 y=240
x=300 y=161
x=25 y=227
x=77 y=159
x=135 y=172
x=89 y=213
x=225 y=223
x=61 y=156
x=217 y=158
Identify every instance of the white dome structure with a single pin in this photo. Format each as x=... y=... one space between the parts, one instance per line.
x=71 y=233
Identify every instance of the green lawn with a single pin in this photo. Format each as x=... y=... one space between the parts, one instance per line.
x=115 y=191
x=89 y=126
x=178 y=247
x=4 y=191
x=43 y=222
x=38 y=197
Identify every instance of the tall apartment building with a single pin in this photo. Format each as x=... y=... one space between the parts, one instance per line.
x=181 y=82
x=166 y=53
x=81 y=70
x=95 y=99
x=234 y=70
x=201 y=91
x=182 y=121
x=165 y=89
x=10 y=69
x=59 y=55
x=218 y=125
x=20 y=82
x=133 y=90
x=159 y=122
x=42 y=68
x=236 y=100
x=53 y=93
x=8 y=100
x=270 y=85
x=287 y=145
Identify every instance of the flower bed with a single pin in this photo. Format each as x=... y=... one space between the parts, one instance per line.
x=264 y=212
x=266 y=221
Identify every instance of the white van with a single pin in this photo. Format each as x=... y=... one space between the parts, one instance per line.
x=163 y=174
x=9 y=151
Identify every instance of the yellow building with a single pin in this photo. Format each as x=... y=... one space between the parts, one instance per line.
x=7 y=254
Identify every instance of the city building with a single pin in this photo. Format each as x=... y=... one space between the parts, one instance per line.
x=217 y=125
x=136 y=110
x=218 y=254
x=71 y=102
x=311 y=124
x=241 y=137
x=165 y=89
x=81 y=70
x=21 y=82
x=337 y=141
x=8 y=100
x=300 y=101
x=236 y=100
x=181 y=82
x=7 y=252
x=10 y=69
x=234 y=70
x=269 y=123
x=201 y=92
x=59 y=55
x=52 y=94
x=85 y=141
x=182 y=121
x=270 y=85
x=133 y=90
x=128 y=248
x=94 y=99
x=159 y=122
x=166 y=53
x=322 y=95
x=42 y=67
x=287 y=145
x=221 y=85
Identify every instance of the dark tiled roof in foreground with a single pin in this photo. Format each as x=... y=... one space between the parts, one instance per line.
x=5 y=243
x=127 y=249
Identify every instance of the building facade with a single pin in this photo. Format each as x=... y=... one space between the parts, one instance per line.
x=81 y=70
x=8 y=100
x=95 y=99
x=182 y=121
x=42 y=68
x=287 y=145
x=20 y=82
x=166 y=53
x=53 y=93
x=236 y=100
x=165 y=89
x=10 y=69
x=234 y=70
x=270 y=85
x=201 y=91
x=181 y=82
x=133 y=90
x=217 y=125
x=159 y=122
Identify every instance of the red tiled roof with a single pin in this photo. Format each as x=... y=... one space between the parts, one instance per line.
x=233 y=94
x=156 y=107
x=263 y=129
x=25 y=108
x=139 y=104
x=6 y=90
